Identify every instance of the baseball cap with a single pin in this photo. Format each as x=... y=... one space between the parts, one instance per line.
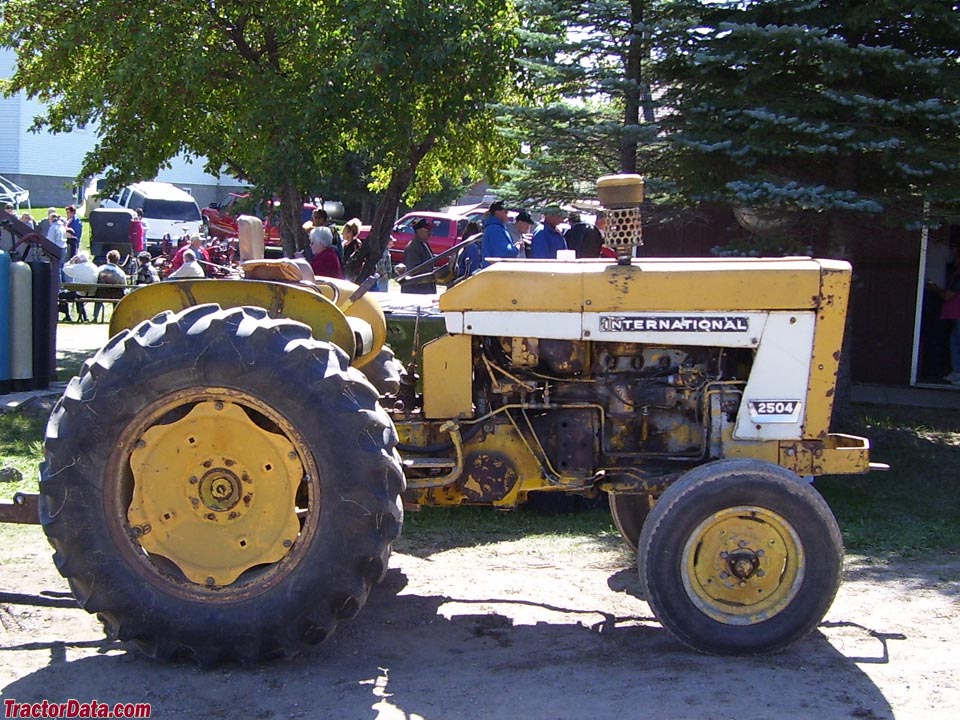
x=497 y=207
x=421 y=223
x=524 y=216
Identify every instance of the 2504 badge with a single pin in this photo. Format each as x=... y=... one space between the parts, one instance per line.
x=774 y=411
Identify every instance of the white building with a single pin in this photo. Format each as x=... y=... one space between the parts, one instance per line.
x=47 y=164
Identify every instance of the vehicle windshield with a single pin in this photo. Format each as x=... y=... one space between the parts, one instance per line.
x=178 y=210
x=440 y=226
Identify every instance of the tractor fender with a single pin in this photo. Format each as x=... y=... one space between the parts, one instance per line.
x=304 y=303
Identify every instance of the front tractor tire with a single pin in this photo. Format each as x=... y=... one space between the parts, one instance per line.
x=220 y=485
x=740 y=557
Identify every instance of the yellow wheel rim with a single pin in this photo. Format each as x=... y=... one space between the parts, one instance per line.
x=216 y=481
x=743 y=565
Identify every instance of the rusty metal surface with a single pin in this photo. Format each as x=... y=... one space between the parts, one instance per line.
x=488 y=477
x=22 y=510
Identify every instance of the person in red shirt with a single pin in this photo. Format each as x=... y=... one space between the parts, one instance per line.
x=137 y=233
x=196 y=244
x=325 y=261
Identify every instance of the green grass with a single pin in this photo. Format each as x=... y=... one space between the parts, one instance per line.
x=69 y=363
x=912 y=511
x=430 y=529
x=40 y=213
x=21 y=447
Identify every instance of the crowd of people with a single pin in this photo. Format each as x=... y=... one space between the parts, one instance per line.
x=333 y=255
x=500 y=238
x=330 y=252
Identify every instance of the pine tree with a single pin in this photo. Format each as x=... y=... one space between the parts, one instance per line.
x=589 y=111
x=825 y=105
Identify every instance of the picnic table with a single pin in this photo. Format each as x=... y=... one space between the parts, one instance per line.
x=99 y=294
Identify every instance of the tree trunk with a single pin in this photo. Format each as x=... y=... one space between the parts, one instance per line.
x=291 y=225
x=633 y=94
x=383 y=218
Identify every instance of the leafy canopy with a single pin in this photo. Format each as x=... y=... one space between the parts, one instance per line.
x=282 y=94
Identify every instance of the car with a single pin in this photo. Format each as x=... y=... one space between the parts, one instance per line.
x=167 y=209
x=445 y=231
x=220 y=219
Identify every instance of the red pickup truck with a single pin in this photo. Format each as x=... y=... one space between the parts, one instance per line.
x=445 y=231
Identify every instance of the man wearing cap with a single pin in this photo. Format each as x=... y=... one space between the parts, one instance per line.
x=417 y=253
x=44 y=226
x=519 y=229
x=57 y=234
x=196 y=245
x=497 y=242
x=548 y=240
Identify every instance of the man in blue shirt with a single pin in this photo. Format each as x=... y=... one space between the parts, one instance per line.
x=547 y=240
x=497 y=242
x=74 y=231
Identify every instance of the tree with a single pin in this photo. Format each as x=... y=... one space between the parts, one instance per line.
x=844 y=113
x=443 y=68
x=828 y=107
x=590 y=111
x=275 y=92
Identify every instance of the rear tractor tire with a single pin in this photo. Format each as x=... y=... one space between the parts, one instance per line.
x=629 y=512
x=740 y=557
x=220 y=485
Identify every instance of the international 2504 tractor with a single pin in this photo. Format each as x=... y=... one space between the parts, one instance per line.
x=225 y=477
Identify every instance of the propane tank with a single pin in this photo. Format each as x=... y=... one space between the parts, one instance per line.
x=4 y=322
x=46 y=285
x=21 y=330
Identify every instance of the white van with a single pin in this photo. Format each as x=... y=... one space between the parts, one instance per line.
x=167 y=210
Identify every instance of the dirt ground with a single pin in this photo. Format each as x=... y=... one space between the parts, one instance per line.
x=524 y=629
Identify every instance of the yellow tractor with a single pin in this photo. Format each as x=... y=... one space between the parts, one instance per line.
x=226 y=476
